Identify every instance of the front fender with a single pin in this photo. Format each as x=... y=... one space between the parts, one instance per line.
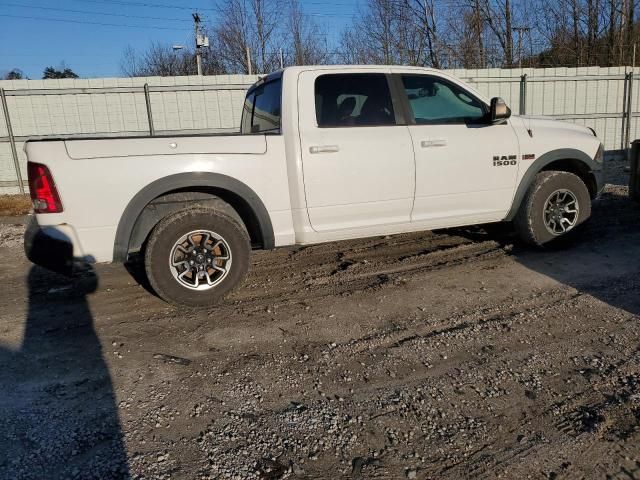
x=545 y=160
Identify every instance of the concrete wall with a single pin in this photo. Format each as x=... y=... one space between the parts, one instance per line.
x=561 y=96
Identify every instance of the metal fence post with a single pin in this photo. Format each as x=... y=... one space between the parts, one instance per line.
x=147 y=98
x=629 y=112
x=12 y=140
x=523 y=94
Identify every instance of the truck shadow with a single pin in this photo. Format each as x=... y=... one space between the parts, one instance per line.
x=59 y=417
x=602 y=259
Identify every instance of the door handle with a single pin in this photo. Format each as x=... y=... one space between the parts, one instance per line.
x=440 y=142
x=324 y=149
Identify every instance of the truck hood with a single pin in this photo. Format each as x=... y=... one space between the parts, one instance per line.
x=533 y=122
x=165 y=145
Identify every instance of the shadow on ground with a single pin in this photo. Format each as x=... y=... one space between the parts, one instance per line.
x=58 y=413
x=602 y=259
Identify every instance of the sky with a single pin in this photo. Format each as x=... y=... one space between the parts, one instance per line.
x=89 y=36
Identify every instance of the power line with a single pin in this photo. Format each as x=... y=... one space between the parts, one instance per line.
x=331 y=4
x=96 y=13
x=86 y=22
x=150 y=5
x=329 y=14
x=194 y=8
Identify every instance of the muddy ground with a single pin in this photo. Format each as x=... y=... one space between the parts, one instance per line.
x=450 y=354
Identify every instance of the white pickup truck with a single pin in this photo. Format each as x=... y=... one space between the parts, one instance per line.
x=324 y=153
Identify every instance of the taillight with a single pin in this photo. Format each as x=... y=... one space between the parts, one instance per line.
x=43 y=190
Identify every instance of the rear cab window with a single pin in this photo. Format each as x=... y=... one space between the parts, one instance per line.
x=353 y=100
x=262 y=111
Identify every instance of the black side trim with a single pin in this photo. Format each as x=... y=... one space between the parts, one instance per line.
x=544 y=160
x=184 y=181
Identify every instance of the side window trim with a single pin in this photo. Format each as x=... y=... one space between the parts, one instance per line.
x=396 y=101
x=407 y=105
x=398 y=94
x=247 y=114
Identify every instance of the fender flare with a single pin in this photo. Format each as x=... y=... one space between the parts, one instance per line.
x=184 y=181
x=538 y=165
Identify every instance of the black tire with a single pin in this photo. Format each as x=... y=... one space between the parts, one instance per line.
x=530 y=222
x=221 y=220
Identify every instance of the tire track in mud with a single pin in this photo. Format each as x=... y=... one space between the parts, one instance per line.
x=419 y=330
x=364 y=272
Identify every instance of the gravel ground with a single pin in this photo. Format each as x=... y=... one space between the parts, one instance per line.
x=11 y=236
x=449 y=354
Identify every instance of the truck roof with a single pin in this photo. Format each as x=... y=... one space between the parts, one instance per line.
x=292 y=71
x=301 y=68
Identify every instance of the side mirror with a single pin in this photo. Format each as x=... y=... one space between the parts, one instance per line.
x=499 y=110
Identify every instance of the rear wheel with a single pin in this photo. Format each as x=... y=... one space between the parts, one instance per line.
x=195 y=257
x=555 y=205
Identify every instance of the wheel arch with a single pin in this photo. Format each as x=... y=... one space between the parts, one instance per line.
x=169 y=194
x=564 y=160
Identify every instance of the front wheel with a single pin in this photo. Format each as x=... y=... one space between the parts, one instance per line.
x=195 y=257
x=554 y=206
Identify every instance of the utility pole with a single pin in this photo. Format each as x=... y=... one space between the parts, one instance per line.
x=202 y=41
x=249 y=67
x=508 y=30
x=521 y=31
x=478 y=26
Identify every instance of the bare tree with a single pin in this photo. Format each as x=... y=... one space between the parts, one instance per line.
x=354 y=48
x=165 y=61
x=498 y=16
x=465 y=42
x=376 y=31
x=425 y=13
x=628 y=21
x=388 y=32
x=249 y=25
x=247 y=32
x=612 y=34
x=438 y=33
x=587 y=32
x=307 y=44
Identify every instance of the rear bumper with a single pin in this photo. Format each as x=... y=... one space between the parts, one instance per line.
x=51 y=248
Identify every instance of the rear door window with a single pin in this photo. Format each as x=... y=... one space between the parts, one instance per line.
x=353 y=100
